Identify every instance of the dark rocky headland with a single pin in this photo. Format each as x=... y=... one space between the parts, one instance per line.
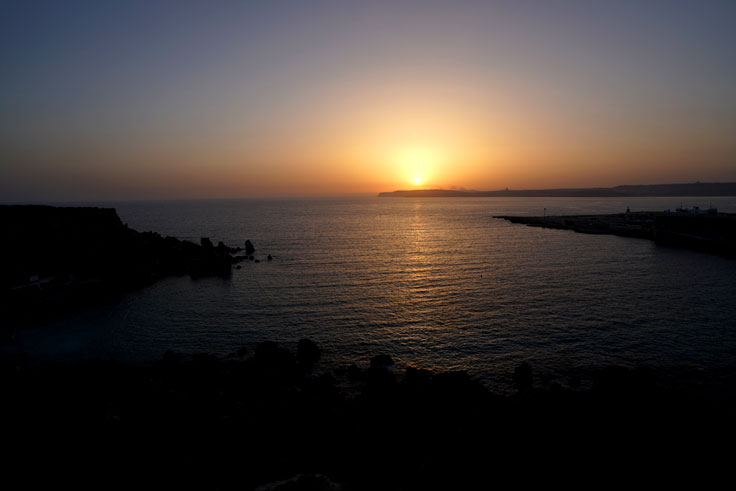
x=56 y=259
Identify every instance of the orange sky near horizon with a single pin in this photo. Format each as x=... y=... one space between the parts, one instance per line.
x=327 y=99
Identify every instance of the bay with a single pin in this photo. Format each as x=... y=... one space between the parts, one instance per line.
x=436 y=283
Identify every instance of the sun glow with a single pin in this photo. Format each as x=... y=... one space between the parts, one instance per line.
x=417 y=163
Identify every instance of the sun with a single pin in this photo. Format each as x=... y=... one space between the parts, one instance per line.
x=417 y=165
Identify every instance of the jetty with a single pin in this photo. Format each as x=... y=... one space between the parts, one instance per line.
x=703 y=230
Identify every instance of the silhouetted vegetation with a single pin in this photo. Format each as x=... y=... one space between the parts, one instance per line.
x=245 y=421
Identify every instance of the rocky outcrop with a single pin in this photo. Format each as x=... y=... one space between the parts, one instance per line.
x=382 y=361
x=308 y=353
x=59 y=258
x=245 y=422
x=249 y=249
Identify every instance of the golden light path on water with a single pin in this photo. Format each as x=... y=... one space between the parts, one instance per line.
x=436 y=283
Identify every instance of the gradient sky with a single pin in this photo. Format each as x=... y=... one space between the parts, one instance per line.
x=146 y=100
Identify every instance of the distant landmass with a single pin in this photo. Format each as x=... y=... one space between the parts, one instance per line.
x=647 y=190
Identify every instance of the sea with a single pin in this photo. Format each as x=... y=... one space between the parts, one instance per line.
x=437 y=283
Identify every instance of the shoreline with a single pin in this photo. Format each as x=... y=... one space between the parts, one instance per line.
x=357 y=428
x=710 y=232
x=56 y=260
x=696 y=189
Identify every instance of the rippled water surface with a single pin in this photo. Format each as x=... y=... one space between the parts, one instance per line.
x=435 y=282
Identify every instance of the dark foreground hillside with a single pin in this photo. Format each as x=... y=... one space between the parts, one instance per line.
x=254 y=420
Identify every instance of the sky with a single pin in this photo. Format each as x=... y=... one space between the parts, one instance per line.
x=177 y=100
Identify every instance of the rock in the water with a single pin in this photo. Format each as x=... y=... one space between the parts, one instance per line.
x=269 y=257
x=171 y=358
x=353 y=372
x=276 y=361
x=249 y=249
x=302 y=482
x=523 y=377
x=381 y=361
x=307 y=352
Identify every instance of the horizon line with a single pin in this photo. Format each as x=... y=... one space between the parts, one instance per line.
x=338 y=195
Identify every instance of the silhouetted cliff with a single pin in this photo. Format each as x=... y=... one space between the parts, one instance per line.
x=56 y=258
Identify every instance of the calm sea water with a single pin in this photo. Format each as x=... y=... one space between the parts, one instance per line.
x=437 y=283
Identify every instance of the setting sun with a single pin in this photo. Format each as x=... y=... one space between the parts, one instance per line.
x=418 y=164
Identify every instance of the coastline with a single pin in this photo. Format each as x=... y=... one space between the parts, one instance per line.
x=708 y=232
x=701 y=189
x=257 y=418
x=56 y=260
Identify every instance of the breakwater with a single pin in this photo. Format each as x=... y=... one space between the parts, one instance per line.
x=708 y=232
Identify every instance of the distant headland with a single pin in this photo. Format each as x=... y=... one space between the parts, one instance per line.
x=641 y=191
